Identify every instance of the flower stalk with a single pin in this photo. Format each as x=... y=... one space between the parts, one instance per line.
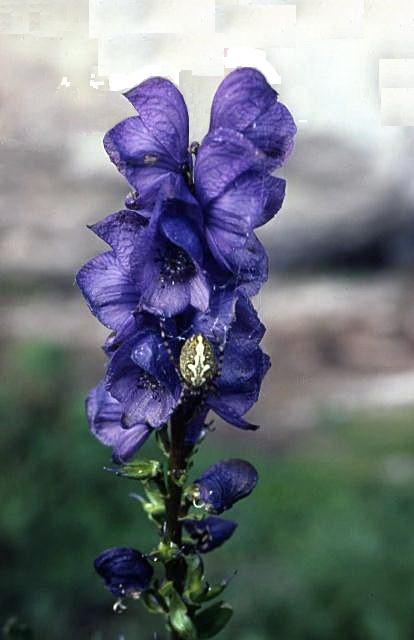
x=177 y=469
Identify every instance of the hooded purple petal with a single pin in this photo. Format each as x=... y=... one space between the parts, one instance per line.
x=246 y=102
x=236 y=193
x=210 y=533
x=104 y=416
x=162 y=109
x=108 y=289
x=121 y=231
x=149 y=147
x=248 y=202
x=125 y=571
x=224 y=483
x=224 y=156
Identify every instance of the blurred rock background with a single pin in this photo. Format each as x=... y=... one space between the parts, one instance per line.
x=339 y=304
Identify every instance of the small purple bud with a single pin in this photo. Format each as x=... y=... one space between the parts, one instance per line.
x=224 y=483
x=210 y=533
x=125 y=571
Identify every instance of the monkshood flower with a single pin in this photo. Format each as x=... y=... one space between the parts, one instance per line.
x=166 y=263
x=232 y=325
x=104 y=415
x=125 y=571
x=210 y=533
x=141 y=376
x=155 y=265
x=246 y=102
x=223 y=484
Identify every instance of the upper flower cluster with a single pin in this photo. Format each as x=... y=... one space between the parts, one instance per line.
x=184 y=259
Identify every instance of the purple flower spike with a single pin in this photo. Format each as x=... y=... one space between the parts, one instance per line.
x=245 y=101
x=125 y=571
x=104 y=415
x=210 y=533
x=225 y=483
x=149 y=147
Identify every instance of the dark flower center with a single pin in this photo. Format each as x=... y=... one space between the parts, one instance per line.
x=149 y=383
x=175 y=266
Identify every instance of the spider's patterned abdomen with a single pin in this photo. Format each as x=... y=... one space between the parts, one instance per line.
x=198 y=363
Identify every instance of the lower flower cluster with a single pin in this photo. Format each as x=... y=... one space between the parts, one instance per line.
x=174 y=288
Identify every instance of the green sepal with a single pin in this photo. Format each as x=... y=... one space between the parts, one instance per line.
x=178 y=616
x=217 y=589
x=196 y=585
x=165 y=552
x=212 y=620
x=153 y=493
x=155 y=507
x=140 y=470
x=178 y=477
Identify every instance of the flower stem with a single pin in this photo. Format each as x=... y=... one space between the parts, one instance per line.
x=176 y=467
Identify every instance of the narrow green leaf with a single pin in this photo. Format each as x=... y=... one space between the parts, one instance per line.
x=212 y=620
x=216 y=589
x=196 y=585
x=179 y=619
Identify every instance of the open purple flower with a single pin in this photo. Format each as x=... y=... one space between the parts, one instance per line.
x=210 y=533
x=125 y=571
x=142 y=378
x=154 y=144
x=247 y=103
x=224 y=483
x=104 y=415
x=155 y=265
x=232 y=322
x=167 y=260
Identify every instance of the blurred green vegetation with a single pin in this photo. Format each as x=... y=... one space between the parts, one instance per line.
x=324 y=548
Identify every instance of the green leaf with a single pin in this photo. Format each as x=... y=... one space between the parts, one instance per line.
x=140 y=469
x=178 y=618
x=212 y=620
x=196 y=586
